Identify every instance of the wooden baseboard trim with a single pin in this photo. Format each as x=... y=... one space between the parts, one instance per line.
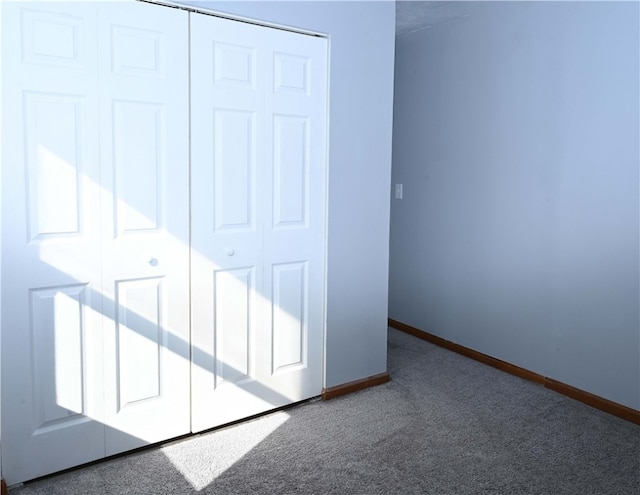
x=596 y=401
x=348 y=388
x=590 y=399
x=3 y=487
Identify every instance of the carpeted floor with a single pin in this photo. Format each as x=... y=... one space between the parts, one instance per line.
x=443 y=425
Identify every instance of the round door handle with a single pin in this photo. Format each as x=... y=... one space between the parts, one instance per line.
x=230 y=251
x=152 y=261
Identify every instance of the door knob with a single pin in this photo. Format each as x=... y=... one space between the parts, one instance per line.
x=152 y=261
x=230 y=251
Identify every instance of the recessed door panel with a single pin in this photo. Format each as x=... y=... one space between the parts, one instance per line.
x=138 y=161
x=53 y=38
x=138 y=52
x=234 y=65
x=291 y=73
x=233 y=308
x=290 y=171
x=53 y=133
x=57 y=329
x=289 y=315
x=234 y=146
x=140 y=337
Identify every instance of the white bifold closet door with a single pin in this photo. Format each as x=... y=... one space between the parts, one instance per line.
x=144 y=128
x=258 y=188
x=95 y=241
x=138 y=306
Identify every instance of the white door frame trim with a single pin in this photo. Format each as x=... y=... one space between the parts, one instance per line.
x=233 y=17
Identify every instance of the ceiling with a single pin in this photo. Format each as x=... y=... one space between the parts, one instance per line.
x=414 y=15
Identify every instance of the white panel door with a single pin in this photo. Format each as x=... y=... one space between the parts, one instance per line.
x=258 y=168
x=294 y=244
x=96 y=345
x=52 y=387
x=95 y=352
x=144 y=142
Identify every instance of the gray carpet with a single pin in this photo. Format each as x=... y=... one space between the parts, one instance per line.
x=443 y=425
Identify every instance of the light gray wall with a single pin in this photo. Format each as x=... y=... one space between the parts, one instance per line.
x=361 y=107
x=516 y=135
